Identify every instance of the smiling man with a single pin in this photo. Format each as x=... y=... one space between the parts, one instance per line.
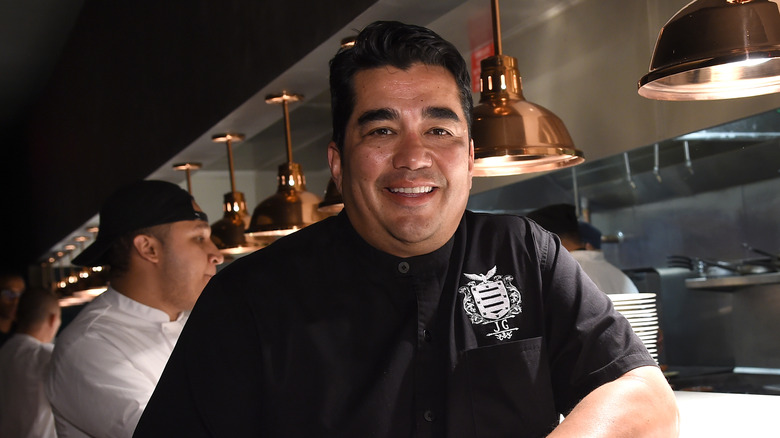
x=406 y=315
x=407 y=174
x=156 y=241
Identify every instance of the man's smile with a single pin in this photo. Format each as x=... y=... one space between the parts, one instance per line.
x=411 y=190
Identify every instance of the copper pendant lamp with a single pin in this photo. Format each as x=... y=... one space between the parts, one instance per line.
x=291 y=207
x=188 y=168
x=332 y=203
x=716 y=49
x=228 y=232
x=511 y=135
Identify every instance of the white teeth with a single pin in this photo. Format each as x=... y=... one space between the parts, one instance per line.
x=412 y=190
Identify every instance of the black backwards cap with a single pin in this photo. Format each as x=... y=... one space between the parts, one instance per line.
x=590 y=234
x=560 y=219
x=139 y=205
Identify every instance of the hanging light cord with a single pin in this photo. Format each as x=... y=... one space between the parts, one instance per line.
x=229 y=146
x=496 y=27
x=189 y=180
x=287 y=130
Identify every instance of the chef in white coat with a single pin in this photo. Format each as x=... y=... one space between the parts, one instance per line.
x=561 y=219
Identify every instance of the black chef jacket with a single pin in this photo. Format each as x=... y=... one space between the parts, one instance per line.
x=321 y=335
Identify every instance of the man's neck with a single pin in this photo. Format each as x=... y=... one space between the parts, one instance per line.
x=140 y=292
x=41 y=333
x=571 y=244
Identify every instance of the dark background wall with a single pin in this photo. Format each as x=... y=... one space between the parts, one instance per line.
x=137 y=82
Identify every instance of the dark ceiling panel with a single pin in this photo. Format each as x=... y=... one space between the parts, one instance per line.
x=136 y=83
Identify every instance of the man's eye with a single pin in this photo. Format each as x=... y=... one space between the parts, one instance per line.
x=381 y=131
x=439 y=131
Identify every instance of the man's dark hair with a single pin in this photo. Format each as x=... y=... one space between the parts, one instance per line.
x=390 y=43
x=560 y=219
x=35 y=306
x=118 y=256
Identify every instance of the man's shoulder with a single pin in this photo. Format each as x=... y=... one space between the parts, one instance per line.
x=498 y=224
x=22 y=340
x=27 y=350
x=11 y=346
x=299 y=247
x=490 y=235
x=495 y=218
x=585 y=255
x=94 y=318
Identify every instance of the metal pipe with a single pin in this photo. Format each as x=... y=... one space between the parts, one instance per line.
x=229 y=146
x=496 y=27
x=688 y=162
x=656 y=166
x=287 y=130
x=575 y=189
x=628 y=171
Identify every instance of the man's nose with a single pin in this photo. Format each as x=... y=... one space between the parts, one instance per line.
x=215 y=256
x=411 y=153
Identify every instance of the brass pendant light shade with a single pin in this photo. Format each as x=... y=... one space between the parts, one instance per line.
x=291 y=207
x=188 y=168
x=228 y=232
x=716 y=49
x=332 y=203
x=283 y=212
x=511 y=135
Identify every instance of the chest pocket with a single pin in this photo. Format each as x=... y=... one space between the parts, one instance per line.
x=507 y=388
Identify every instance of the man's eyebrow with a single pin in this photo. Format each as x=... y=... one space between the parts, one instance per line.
x=202 y=224
x=377 y=115
x=436 y=112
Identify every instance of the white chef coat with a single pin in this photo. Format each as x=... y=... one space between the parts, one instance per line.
x=607 y=277
x=24 y=410
x=106 y=364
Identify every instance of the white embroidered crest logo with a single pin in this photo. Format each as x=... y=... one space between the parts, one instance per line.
x=490 y=298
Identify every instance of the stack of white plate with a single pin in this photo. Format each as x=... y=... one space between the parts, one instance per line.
x=641 y=313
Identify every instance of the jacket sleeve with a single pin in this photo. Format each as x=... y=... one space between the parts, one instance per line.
x=590 y=343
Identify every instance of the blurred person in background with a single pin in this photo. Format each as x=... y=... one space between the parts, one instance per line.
x=583 y=241
x=11 y=288
x=590 y=235
x=157 y=243
x=24 y=361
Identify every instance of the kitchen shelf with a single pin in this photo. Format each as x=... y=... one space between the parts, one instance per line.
x=733 y=281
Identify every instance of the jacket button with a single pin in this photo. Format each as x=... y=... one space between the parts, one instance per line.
x=403 y=267
x=428 y=415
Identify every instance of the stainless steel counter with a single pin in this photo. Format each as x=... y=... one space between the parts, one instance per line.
x=712 y=415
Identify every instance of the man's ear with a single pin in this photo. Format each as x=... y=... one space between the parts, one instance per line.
x=471 y=163
x=147 y=247
x=334 y=161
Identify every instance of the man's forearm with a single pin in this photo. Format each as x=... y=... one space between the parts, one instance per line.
x=638 y=404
